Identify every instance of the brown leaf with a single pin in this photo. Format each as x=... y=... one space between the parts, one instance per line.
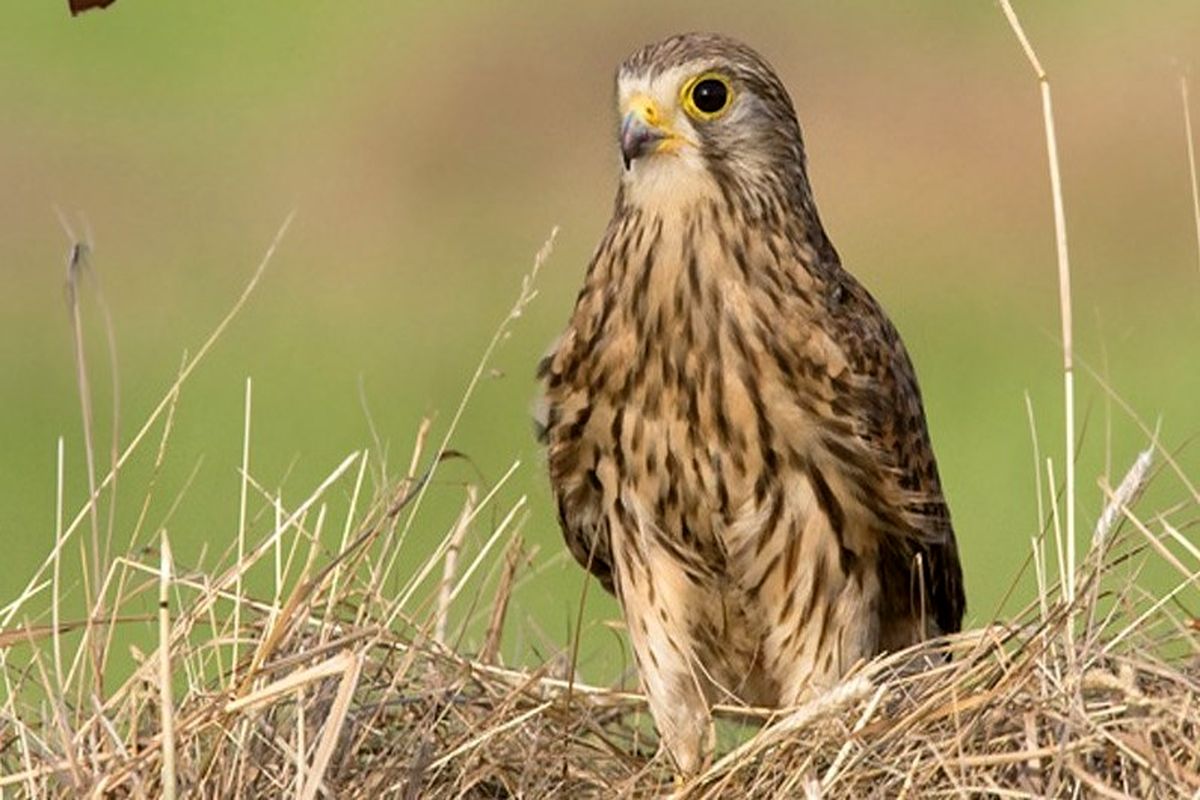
x=79 y=6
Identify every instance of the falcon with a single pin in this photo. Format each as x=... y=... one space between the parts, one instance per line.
x=735 y=437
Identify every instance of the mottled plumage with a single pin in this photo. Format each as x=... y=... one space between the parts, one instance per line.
x=735 y=436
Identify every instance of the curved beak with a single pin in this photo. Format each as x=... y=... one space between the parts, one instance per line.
x=642 y=130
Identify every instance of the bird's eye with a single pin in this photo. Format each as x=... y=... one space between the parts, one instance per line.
x=710 y=95
x=707 y=96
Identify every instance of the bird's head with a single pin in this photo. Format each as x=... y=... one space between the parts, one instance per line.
x=705 y=113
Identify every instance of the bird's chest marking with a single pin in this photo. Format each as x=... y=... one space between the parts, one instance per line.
x=676 y=355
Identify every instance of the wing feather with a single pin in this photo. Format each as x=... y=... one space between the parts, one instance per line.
x=894 y=468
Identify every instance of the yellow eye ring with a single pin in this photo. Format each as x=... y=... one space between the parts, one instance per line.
x=706 y=96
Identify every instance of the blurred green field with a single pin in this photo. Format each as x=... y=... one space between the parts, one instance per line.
x=428 y=149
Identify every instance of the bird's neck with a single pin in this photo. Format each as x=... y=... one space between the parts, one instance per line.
x=689 y=267
x=696 y=198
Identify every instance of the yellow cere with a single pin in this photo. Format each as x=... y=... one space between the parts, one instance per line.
x=647 y=109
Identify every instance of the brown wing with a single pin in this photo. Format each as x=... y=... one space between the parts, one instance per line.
x=897 y=475
x=558 y=425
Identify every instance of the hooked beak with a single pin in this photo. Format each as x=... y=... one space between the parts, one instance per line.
x=642 y=130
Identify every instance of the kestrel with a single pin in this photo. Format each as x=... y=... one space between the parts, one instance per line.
x=734 y=432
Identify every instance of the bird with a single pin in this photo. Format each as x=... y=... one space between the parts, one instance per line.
x=734 y=433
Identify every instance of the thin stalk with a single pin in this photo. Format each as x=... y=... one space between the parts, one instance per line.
x=1064 y=286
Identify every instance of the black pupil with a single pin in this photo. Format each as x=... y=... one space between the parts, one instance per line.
x=710 y=95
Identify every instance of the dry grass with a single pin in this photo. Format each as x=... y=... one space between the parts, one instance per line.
x=330 y=684
x=337 y=683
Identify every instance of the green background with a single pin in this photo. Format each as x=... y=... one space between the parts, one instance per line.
x=428 y=149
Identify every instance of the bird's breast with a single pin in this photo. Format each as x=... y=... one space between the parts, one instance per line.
x=682 y=387
x=672 y=393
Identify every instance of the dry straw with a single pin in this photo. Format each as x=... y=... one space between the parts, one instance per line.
x=349 y=678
